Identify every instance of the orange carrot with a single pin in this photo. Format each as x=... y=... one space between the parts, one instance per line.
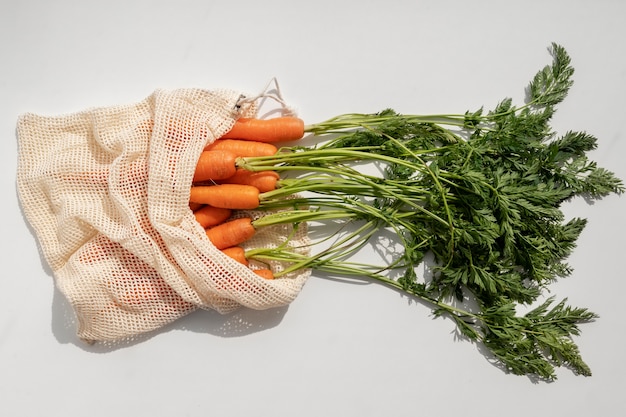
x=243 y=148
x=237 y=253
x=229 y=196
x=231 y=233
x=215 y=165
x=195 y=206
x=276 y=129
x=209 y=216
x=264 y=273
x=263 y=180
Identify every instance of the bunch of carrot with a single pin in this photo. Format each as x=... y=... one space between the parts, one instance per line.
x=477 y=194
x=220 y=187
x=434 y=193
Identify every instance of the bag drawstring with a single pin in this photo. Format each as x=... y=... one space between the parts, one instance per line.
x=245 y=103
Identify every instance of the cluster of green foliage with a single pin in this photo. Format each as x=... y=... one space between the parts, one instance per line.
x=481 y=194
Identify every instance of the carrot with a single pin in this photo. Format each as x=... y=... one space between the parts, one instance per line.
x=263 y=180
x=215 y=165
x=243 y=148
x=276 y=129
x=237 y=253
x=209 y=216
x=229 y=196
x=195 y=206
x=264 y=273
x=231 y=233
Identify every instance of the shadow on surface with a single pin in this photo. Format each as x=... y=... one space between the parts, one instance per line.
x=236 y=324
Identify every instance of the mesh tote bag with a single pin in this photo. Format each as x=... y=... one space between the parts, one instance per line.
x=106 y=192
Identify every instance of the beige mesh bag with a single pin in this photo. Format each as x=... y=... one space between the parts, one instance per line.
x=106 y=192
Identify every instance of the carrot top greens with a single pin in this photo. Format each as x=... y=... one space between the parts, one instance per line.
x=479 y=193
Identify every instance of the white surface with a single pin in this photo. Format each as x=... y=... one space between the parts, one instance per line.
x=339 y=349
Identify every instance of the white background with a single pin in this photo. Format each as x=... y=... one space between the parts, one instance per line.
x=339 y=349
